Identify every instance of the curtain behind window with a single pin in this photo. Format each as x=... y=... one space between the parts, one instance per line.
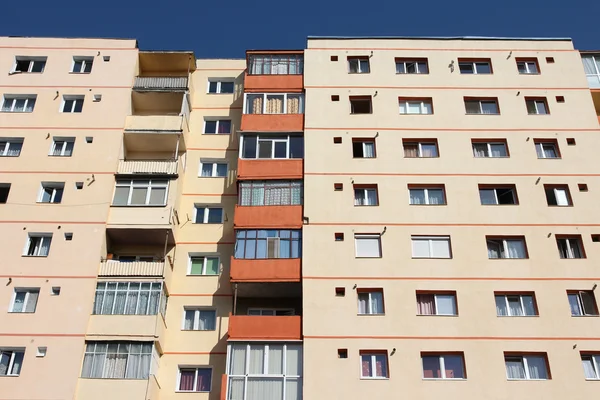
x=425 y=304
x=537 y=367
x=515 y=369
x=588 y=367
x=274 y=104
x=186 y=380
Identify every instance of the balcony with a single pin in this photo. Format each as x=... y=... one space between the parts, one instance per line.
x=110 y=268
x=272 y=122
x=147 y=167
x=270 y=169
x=160 y=83
x=265 y=270
x=144 y=327
x=249 y=327
x=274 y=71
x=168 y=124
x=267 y=217
x=114 y=389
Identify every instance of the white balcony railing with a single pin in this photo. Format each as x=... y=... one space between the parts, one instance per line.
x=147 y=167
x=134 y=268
x=161 y=83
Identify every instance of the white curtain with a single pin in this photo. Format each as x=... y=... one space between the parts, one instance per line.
x=45 y=245
x=363 y=298
x=114 y=366
x=293 y=360
x=238 y=359
x=588 y=368
x=371 y=197
x=265 y=389
x=417 y=196
x=537 y=367
x=529 y=309
x=257 y=355
x=498 y=150
x=561 y=197
x=293 y=389
x=236 y=389
x=574 y=304
x=515 y=369
x=31 y=301
x=368 y=150
x=589 y=65
x=514 y=304
x=189 y=319
x=516 y=249
x=14 y=149
x=435 y=196
x=501 y=309
x=376 y=302
x=494 y=249
x=275 y=359
x=480 y=149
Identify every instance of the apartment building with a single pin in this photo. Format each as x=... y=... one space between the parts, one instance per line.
x=591 y=66
x=450 y=239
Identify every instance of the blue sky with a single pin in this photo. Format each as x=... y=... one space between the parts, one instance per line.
x=219 y=28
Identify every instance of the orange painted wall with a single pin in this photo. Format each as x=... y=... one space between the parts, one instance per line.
x=223 y=395
x=267 y=217
x=273 y=83
x=273 y=122
x=271 y=270
x=245 y=327
x=270 y=169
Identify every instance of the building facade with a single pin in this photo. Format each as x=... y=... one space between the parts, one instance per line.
x=408 y=215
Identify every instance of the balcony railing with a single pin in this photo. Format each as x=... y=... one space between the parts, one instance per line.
x=244 y=327
x=160 y=83
x=147 y=167
x=134 y=268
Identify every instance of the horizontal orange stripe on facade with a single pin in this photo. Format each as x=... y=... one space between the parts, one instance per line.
x=44 y=334
x=49 y=276
x=62 y=128
x=55 y=222
x=66 y=86
x=446 y=88
x=439 y=278
x=462 y=129
x=210 y=194
x=439 y=174
x=59 y=172
x=204 y=148
x=435 y=224
x=438 y=49
x=515 y=338
x=200 y=295
x=208 y=353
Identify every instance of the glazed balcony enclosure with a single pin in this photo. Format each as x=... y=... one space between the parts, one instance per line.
x=273 y=112
x=274 y=71
x=271 y=156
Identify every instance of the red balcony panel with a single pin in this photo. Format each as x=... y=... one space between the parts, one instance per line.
x=223 y=395
x=250 y=327
x=273 y=83
x=267 y=217
x=266 y=270
x=272 y=122
x=270 y=169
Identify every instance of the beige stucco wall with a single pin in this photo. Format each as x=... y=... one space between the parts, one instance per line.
x=331 y=323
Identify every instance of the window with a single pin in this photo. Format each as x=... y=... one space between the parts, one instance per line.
x=482 y=106
x=413 y=105
x=425 y=148
x=72 y=104
x=526 y=367
x=443 y=366
x=591 y=366
x=24 y=300
x=217 y=127
x=537 y=105
x=431 y=247
x=370 y=301
x=412 y=66
x=127 y=298
x=358 y=65
x=141 y=192
x=275 y=64
x=272 y=146
x=570 y=246
x=498 y=195
x=220 y=86
x=271 y=312
x=268 y=243
x=208 y=215
x=546 y=148
x=363 y=148
x=195 y=319
x=427 y=195
x=515 y=305
x=4 y=191
x=275 y=103
x=365 y=195
x=194 y=379
x=19 y=103
x=528 y=66
x=259 y=371
x=62 y=146
x=51 y=192
x=30 y=64
x=213 y=169
x=374 y=365
x=38 y=245
x=591 y=65
x=82 y=65
x=506 y=247
x=582 y=303
x=270 y=193
x=558 y=195
x=11 y=147
x=368 y=245
x=443 y=303
x=475 y=66
x=203 y=265
x=117 y=360
x=360 y=105
x=492 y=149
x=11 y=361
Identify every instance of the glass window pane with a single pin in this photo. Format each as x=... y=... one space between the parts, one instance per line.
x=498 y=150
x=453 y=366
x=489 y=107
x=215 y=215
x=212 y=266
x=296 y=147
x=501 y=309
x=138 y=195
x=157 y=196
x=528 y=305
x=431 y=367
x=265 y=149
x=222 y=170
x=417 y=196
x=420 y=248
x=446 y=305
x=226 y=87
x=440 y=248
x=210 y=127
x=487 y=196
x=280 y=150
x=197 y=264
x=249 y=147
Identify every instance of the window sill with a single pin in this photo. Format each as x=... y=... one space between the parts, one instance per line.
x=549 y=158
x=517 y=316
x=421 y=157
x=215 y=134
x=58 y=156
x=369 y=205
x=26 y=255
x=487 y=115
x=21 y=312
x=201 y=275
x=428 y=205
x=445 y=379
x=526 y=258
x=592 y=379
x=138 y=206
x=431 y=258
x=496 y=205
x=198 y=330
x=553 y=206
x=529 y=73
x=191 y=391
x=414 y=114
x=437 y=315
x=6 y=155
x=364 y=378
x=208 y=223
x=219 y=93
x=16 y=112
x=364 y=158
x=9 y=376
x=539 y=114
x=519 y=380
x=584 y=316
x=222 y=177
x=412 y=73
x=492 y=157
x=371 y=315
x=46 y=202
x=79 y=73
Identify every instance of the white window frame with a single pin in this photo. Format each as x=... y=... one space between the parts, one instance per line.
x=4 y=150
x=204 y=257
x=141 y=374
x=206 y=207
x=265 y=138
x=489 y=153
x=480 y=103
x=526 y=367
x=74 y=98
x=132 y=184
x=196 y=368
x=84 y=60
x=127 y=291
x=218 y=81
x=520 y=296
x=435 y=301
x=420 y=103
x=14 y=98
x=43 y=237
x=363 y=145
x=63 y=147
x=367 y=236
x=536 y=103
x=528 y=71
x=495 y=190
x=542 y=146
x=368 y=310
x=582 y=310
x=505 y=247
x=358 y=59
x=264 y=103
x=417 y=71
x=54 y=186
x=218 y=124
x=214 y=168
x=420 y=149
x=11 y=362
x=262 y=310
x=595 y=359
x=31 y=61
x=27 y=291
x=364 y=197
x=426 y=193
x=373 y=366
x=578 y=243
x=430 y=240
x=196 y=322
x=442 y=362
x=473 y=65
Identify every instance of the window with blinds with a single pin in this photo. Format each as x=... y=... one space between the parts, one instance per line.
x=270 y=193
x=117 y=360
x=127 y=298
x=368 y=245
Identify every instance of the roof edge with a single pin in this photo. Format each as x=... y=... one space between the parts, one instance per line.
x=440 y=38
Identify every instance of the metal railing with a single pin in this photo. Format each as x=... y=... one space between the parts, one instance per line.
x=159 y=83
x=147 y=167
x=134 y=268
